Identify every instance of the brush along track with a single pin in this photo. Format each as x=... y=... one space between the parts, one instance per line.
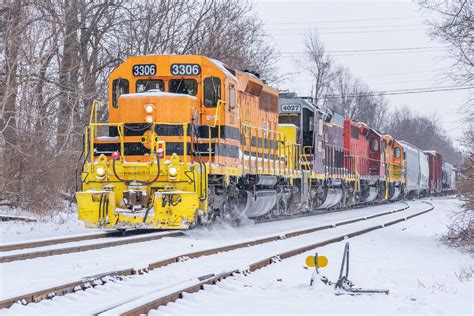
x=102 y=278
x=106 y=244
x=152 y=301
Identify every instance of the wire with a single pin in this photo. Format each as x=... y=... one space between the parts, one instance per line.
x=351 y=20
x=403 y=73
x=372 y=50
x=353 y=32
x=371 y=54
x=346 y=27
x=403 y=91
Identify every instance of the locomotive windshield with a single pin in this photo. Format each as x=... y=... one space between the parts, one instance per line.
x=151 y=84
x=183 y=86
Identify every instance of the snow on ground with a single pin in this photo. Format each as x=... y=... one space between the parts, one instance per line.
x=44 y=272
x=406 y=258
x=49 y=271
x=60 y=223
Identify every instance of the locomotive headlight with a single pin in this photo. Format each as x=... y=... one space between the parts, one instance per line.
x=100 y=172
x=149 y=119
x=172 y=171
x=149 y=108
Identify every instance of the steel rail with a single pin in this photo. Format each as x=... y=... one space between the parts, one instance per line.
x=90 y=281
x=73 y=249
x=115 y=233
x=67 y=239
x=212 y=279
x=310 y=213
x=56 y=240
x=5 y=217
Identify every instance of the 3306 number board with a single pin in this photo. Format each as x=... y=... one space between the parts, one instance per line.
x=144 y=70
x=185 y=69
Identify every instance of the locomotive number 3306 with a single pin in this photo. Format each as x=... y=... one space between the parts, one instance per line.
x=185 y=69
x=144 y=70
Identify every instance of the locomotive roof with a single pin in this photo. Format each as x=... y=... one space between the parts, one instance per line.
x=296 y=100
x=407 y=144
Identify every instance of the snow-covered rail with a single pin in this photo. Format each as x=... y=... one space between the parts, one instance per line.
x=57 y=240
x=145 y=304
x=5 y=217
x=80 y=248
x=92 y=281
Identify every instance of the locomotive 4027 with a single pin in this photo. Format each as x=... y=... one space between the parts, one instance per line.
x=189 y=139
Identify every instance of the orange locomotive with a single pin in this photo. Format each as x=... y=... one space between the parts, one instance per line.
x=188 y=140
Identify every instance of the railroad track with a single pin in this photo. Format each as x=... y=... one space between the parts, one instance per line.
x=80 y=248
x=95 y=280
x=145 y=304
x=5 y=218
x=320 y=212
x=108 y=234
x=68 y=239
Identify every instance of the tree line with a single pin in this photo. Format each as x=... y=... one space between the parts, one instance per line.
x=336 y=87
x=57 y=55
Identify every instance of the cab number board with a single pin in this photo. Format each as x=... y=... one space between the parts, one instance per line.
x=185 y=69
x=291 y=108
x=144 y=70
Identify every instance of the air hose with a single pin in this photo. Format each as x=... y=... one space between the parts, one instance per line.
x=115 y=157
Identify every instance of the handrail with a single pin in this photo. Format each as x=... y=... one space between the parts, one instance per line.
x=217 y=116
x=93 y=115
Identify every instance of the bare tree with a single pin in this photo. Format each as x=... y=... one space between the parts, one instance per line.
x=12 y=26
x=354 y=99
x=320 y=65
x=453 y=24
x=56 y=58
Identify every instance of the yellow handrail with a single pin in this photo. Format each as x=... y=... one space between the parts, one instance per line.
x=93 y=117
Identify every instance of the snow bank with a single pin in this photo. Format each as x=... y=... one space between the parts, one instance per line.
x=59 y=223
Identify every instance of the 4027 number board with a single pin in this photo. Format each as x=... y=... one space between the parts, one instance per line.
x=144 y=70
x=185 y=69
x=290 y=108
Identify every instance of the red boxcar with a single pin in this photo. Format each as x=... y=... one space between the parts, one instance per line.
x=356 y=144
x=435 y=162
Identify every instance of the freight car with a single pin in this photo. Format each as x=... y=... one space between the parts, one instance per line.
x=449 y=178
x=417 y=171
x=435 y=163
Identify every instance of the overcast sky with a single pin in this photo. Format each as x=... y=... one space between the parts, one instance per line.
x=368 y=25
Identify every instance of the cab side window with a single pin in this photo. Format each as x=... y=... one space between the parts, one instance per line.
x=374 y=145
x=119 y=86
x=355 y=132
x=397 y=152
x=212 y=91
